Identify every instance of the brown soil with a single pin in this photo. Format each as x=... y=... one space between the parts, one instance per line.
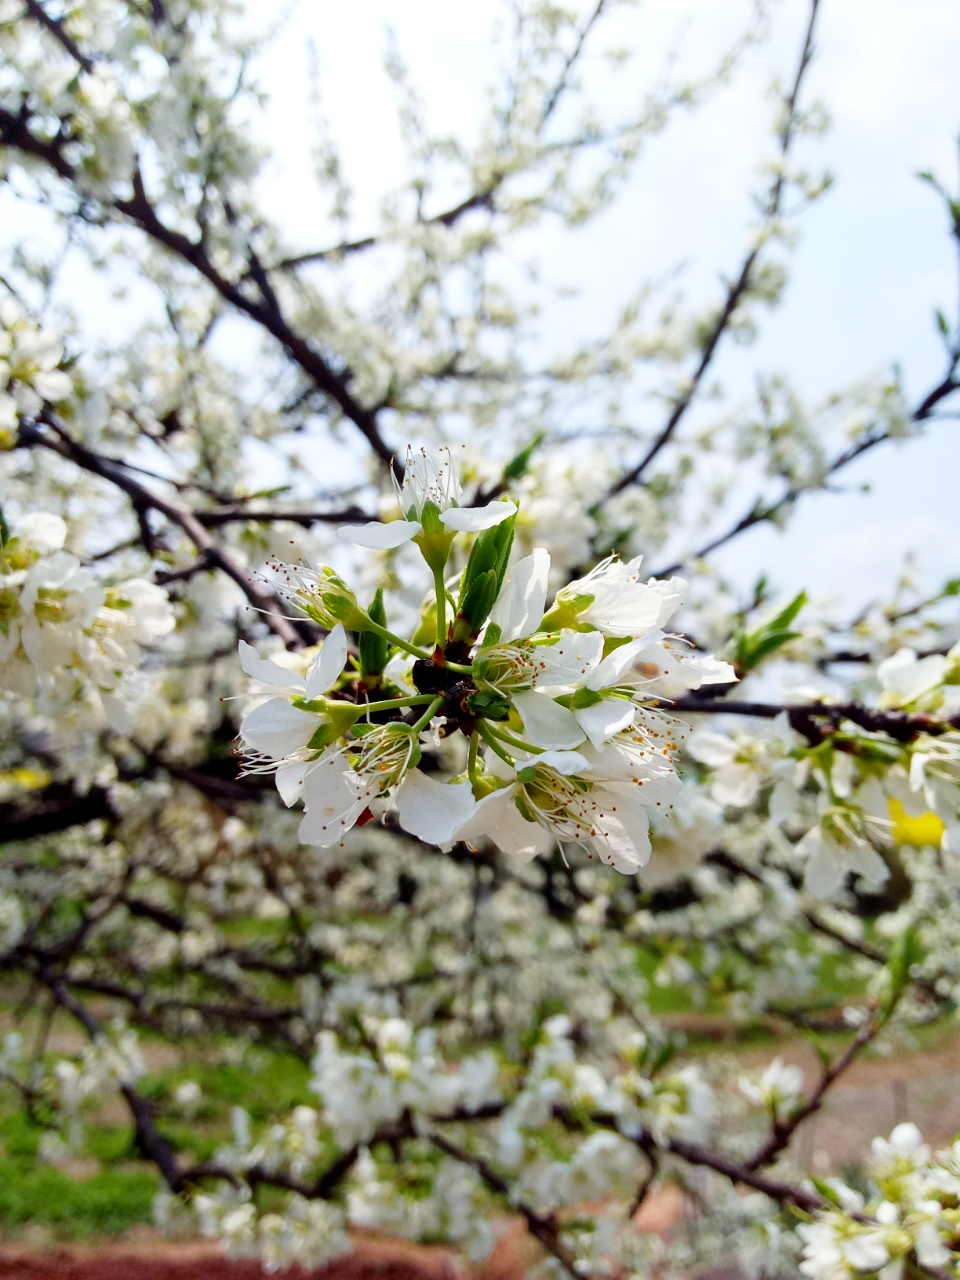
x=149 y=1257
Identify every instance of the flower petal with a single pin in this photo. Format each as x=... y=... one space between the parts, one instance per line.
x=277 y=728
x=604 y=718
x=44 y=532
x=546 y=723
x=290 y=779
x=476 y=519
x=380 y=537
x=265 y=671
x=571 y=661
x=714 y=749
x=334 y=799
x=715 y=671
x=519 y=607
x=432 y=810
x=565 y=762
x=329 y=662
x=497 y=817
x=619 y=831
x=615 y=664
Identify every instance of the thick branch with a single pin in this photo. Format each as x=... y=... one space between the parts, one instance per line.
x=815 y=720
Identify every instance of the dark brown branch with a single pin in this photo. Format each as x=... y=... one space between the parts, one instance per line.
x=59 y=33
x=740 y=286
x=816 y=720
x=783 y=1130
x=354 y=515
x=55 y=808
x=544 y=1229
x=153 y=1144
x=332 y=383
x=31 y=434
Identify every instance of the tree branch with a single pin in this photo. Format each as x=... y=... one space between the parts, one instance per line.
x=264 y=601
x=738 y=288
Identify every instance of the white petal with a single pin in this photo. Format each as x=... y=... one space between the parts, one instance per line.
x=290 y=779
x=565 y=762
x=619 y=831
x=571 y=661
x=432 y=810
x=735 y=785
x=117 y=713
x=265 y=671
x=497 y=817
x=825 y=867
x=329 y=662
x=519 y=607
x=866 y=862
x=43 y=531
x=604 y=719
x=713 y=671
x=334 y=799
x=712 y=748
x=476 y=519
x=546 y=723
x=615 y=664
x=380 y=537
x=277 y=728
x=672 y=593
x=53 y=385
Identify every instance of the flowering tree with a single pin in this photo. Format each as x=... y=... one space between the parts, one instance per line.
x=475 y=776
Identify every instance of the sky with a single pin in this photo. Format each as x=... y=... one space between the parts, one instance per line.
x=873 y=259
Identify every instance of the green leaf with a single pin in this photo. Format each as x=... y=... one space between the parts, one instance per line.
x=483 y=577
x=486 y=703
x=750 y=647
x=904 y=954
x=520 y=462
x=374 y=649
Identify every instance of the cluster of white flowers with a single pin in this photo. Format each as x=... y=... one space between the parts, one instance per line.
x=30 y=372
x=912 y=1218
x=370 y=1095
x=61 y=627
x=560 y=705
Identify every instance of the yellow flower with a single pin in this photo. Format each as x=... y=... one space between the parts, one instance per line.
x=922 y=830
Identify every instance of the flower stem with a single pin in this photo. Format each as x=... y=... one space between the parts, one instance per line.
x=472 y=758
x=484 y=731
x=458 y=666
x=417 y=700
x=519 y=743
x=428 y=715
x=400 y=643
x=441 y=592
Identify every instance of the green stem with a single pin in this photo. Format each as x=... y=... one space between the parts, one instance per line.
x=519 y=743
x=493 y=744
x=428 y=714
x=472 y=773
x=401 y=644
x=458 y=666
x=441 y=592
x=418 y=700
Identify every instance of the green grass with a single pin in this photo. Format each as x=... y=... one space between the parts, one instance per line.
x=105 y=1204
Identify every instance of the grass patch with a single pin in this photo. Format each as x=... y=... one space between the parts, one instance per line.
x=105 y=1204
